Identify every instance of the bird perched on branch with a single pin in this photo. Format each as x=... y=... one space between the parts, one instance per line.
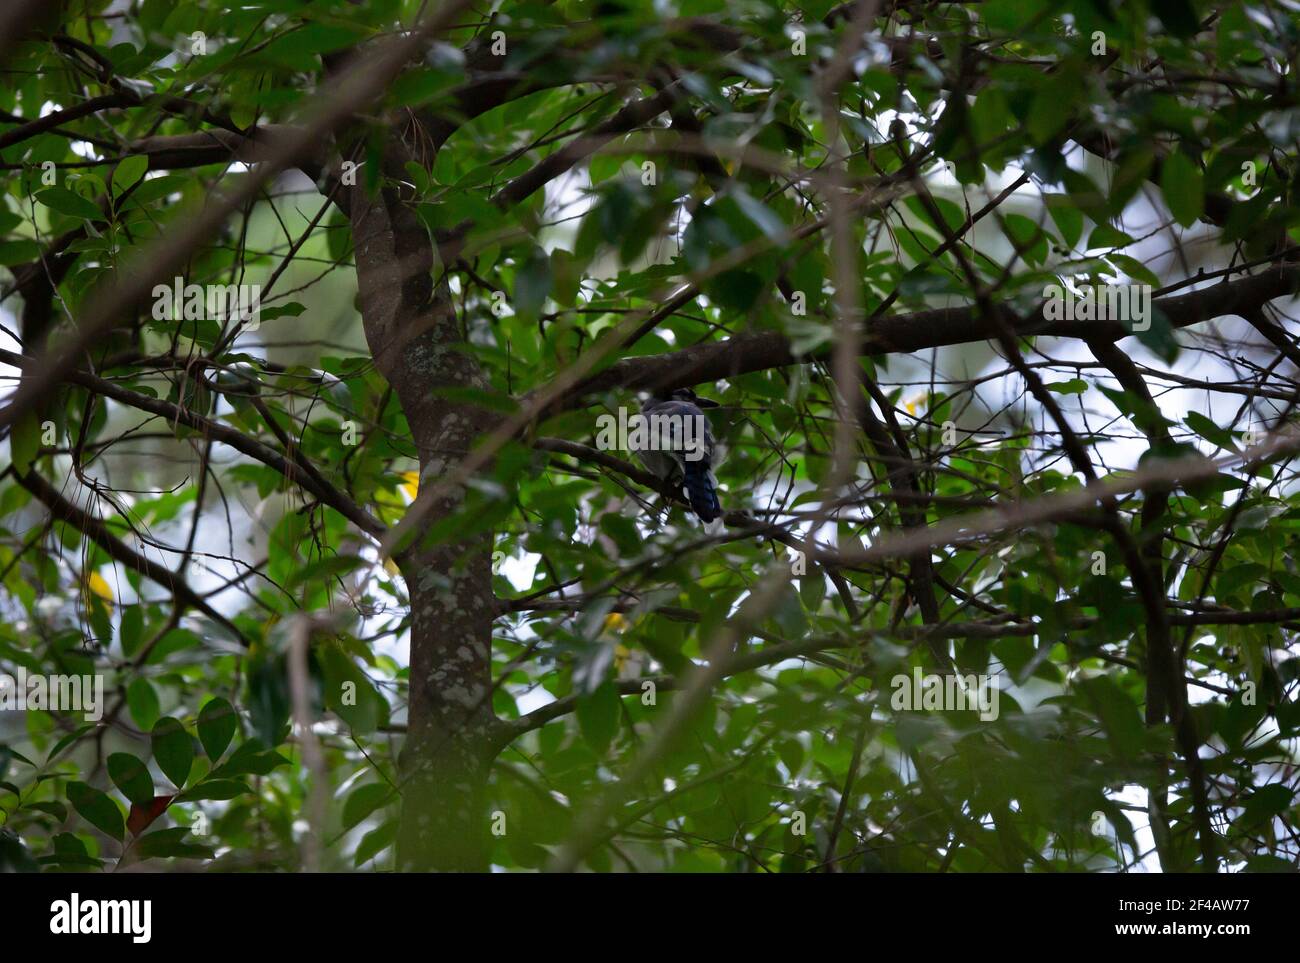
x=678 y=447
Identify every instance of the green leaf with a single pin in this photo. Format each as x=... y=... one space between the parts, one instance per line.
x=9 y=752
x=170 y=843
x=364 y=800
x=533 y=282
x=1160 y=337
x=217 y=724
x=1067 y=218
x=71 y=849
x=50 y=807
x=250 y=758
x=1178 y=16
x=1134 y=269
x=131 y=776
x=290 y=309
x=298 y=49
x=375 y=842
x=268 y=701
x=1265 y=803
x=764 y=218
x=216 y=789
x=66 y=202
x=156 y=188
x=128 y=171
x=97 y=809
x=598 y=714
x=1209 y=430
x=1030 y=239
x=142 y=701
x=68 y=740
x=348 y=693
x=1183 y=186
x=25 y=442
x=1104 y=237
x=1118 y=713
x=173 y=748
x=131 y=632
x=812 y=588
x=18 y=252
x=1010 y=16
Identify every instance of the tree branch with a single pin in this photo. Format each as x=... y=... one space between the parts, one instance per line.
x=99 y=533
x=311 y=480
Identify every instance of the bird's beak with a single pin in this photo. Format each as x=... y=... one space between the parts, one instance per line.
x=706 y=403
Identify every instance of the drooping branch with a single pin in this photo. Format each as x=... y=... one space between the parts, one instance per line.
x=293 y=467
x=99 y=533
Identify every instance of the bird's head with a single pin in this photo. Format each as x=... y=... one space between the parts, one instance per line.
x=685 y=394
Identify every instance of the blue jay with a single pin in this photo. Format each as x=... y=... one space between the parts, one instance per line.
x=678 y=447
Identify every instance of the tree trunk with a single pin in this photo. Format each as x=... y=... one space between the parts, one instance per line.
x=413 y=332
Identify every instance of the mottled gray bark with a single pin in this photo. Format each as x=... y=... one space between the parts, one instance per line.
x=413 y=335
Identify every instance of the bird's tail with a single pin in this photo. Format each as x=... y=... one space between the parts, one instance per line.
x=700 y=491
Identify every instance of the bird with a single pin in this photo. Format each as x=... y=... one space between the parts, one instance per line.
x=679 y=449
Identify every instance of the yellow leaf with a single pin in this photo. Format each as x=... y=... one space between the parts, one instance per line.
x=391 y=567
x=95 y=582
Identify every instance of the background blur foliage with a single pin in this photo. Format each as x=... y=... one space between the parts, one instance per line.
x=198 y=762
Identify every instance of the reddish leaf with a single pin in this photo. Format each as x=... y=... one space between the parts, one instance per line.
x=142 y=816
